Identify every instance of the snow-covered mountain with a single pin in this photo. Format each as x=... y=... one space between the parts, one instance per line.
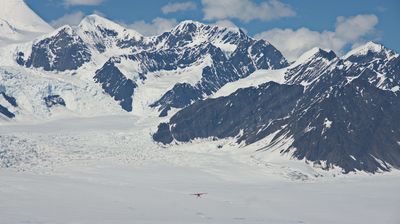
x=207 y=81
x=331 y=111
x=204 y=58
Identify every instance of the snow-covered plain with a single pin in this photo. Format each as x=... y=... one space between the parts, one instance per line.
x=107 y=170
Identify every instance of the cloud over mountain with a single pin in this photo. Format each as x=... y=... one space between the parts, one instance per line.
x=245 y=10
x=179 y=6
x=348 y=30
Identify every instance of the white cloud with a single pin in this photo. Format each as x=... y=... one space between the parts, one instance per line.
x=228 y=24
x=357 y=25
x=71 y=19
x=99 y=13
x=156 y=26
x=82 y=2
x=245 y=10
x=179 y=6
x=348 y=30
x=225 y=23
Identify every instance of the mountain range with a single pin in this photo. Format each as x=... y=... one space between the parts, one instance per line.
x=203 y=81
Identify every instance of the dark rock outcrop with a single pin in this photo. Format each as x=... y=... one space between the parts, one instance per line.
x=53 y=100
x=116 y=85
x=63 y=51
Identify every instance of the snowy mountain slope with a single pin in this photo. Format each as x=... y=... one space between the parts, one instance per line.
x=104 y=34
x=310 y=66
x=381 y=63
x=18 y=23
x=342 y=117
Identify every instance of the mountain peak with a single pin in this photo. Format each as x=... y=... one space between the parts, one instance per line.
x=95 y=19
x=372 y=46
x=190 y=22
x=94 y=22
x=192 y=26
x=313 y=53
x=189 y=26
x=368 y=48
x=65 y=29
x=62 y=30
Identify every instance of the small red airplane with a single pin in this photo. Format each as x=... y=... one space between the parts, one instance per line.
x=198 y=194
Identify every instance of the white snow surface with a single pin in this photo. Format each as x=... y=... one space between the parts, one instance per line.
x=255 y=79
x=19 y=23
x=107 y=170
x=306 y=56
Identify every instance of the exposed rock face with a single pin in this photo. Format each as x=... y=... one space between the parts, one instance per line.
x=62 y=51
x=53 y=100
x=4 y=111
x=11 y=101
x=247 y=111
x=116 y=85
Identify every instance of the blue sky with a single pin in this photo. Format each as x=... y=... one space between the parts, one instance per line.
x=292 y=26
